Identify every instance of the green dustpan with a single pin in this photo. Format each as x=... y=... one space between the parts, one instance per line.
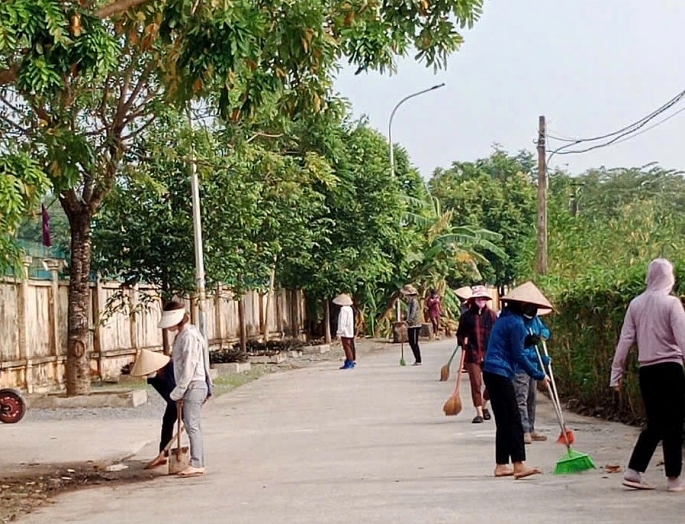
x=574 y=462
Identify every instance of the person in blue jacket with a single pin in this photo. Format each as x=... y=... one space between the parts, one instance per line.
x=506 y=351
x=525 y=385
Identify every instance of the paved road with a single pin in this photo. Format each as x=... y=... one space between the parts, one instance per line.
x=370 y=445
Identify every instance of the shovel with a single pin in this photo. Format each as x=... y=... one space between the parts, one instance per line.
x=179 y=457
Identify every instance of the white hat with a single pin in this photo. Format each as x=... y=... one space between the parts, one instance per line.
x=148 y=362
x=479 y=292
x=343 y=299
x=171 y=318
x=530 y=294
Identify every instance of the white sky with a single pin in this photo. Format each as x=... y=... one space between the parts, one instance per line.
x=590 y=66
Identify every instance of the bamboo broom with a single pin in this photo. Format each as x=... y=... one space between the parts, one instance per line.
x=445 y=370
x=453 y=405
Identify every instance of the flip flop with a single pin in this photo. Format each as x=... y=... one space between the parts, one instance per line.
x=527 y=473
x=509 y=473
x=194 y=472
x=637 y=484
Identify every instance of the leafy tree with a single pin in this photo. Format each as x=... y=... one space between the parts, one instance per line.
x=497 y=194
x=22 y=184
x=79 y=80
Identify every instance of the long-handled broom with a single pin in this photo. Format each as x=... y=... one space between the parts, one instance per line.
x=453 y=405
x=573 y=461
x=566 y=434
x=445 y=370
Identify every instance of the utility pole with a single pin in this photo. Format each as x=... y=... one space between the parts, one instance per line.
x=542 y=199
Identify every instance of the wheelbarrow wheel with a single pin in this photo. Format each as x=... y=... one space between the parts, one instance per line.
x=12 y=406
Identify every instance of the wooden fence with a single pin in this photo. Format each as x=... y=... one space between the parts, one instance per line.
x=33 y=326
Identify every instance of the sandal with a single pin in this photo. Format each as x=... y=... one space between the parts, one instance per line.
x=486 y=414
x=192 y=471
x=637 y=484
x=504 y=473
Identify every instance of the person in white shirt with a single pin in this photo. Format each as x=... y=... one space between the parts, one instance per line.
x=346 y=329
x=190 y=357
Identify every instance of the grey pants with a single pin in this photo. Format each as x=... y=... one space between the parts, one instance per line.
x=526 y=388
x=193 y=400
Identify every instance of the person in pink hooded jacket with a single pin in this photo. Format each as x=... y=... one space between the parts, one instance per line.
x=655 y=320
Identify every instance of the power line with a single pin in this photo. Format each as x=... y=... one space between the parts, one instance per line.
x=621 y=135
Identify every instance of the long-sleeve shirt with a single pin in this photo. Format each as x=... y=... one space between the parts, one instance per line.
x=191 y=360
x=346 y=322
x=535 y=326
x=655 y=320
x=413 y=313
x=474 y=331
x=505 y=348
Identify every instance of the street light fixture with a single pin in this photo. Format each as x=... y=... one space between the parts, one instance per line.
x=392 y=115
x=392 y=152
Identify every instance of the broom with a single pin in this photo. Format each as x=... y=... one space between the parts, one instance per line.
x=573 y=461
x=453 y=405
x=445 y=370
x=566 y=434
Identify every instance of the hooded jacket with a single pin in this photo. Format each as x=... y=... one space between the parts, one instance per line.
x=505 y=348
x=655 y=320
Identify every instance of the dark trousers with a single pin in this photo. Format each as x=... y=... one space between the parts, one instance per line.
x=349 y=348
x=168 y=421
x=663 y=391
x=413 y=335
x=509 y=434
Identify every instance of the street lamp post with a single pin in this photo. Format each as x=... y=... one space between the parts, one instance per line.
x=392 y=152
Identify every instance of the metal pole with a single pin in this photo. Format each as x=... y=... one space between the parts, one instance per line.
x=197 y=236
x=392 y=152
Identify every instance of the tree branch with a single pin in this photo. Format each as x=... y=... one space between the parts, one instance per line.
x=119 y=6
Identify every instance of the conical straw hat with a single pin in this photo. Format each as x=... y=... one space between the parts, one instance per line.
x=148 y=362
x=528 y=293
x=464 y=293
x=409 y=290
x=343 y=299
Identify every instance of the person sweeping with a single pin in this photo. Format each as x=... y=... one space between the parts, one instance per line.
x=473 y=333
x=159 y=370
x=655 y=320
x=191 y=372
x=505 y=351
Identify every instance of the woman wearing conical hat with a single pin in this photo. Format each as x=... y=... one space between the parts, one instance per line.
x=473 y=334
x=506 y=351
x=159 y=371
x=346 y=329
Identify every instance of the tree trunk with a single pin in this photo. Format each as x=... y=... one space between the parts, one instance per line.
x=78 y=361
x=327 y=320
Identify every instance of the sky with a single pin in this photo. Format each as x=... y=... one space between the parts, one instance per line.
x=590 y=66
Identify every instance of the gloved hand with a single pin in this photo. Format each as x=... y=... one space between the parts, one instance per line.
x=546 y=360
x=531 y=340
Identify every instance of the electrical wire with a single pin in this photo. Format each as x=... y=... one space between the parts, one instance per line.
x=621 y=135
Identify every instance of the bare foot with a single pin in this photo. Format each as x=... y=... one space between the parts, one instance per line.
x=525 y=472
x=502 y=470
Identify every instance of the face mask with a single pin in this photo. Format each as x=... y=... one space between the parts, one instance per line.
x=529 y=311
